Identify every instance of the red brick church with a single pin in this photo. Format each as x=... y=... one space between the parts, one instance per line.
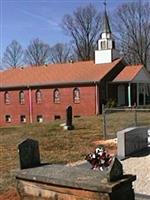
x=41 y=94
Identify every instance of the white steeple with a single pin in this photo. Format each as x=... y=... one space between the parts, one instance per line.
x=106 y=52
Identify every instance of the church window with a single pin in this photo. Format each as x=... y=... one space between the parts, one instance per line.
x=76 y=95
x=21 y=97
x=56 y=96
x=38 y=96
x=23 y=119
x=7 y=118
x=39 y=118
x=7 y=98
x=110 y=44
x=113 y=44
x=103 y=45
x=56 y=117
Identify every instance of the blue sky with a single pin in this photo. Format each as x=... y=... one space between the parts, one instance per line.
x=24 y=20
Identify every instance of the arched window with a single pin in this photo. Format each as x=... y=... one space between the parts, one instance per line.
x=76 y=95
x=56 y=96
x=103 y=45
x=38 y=96
x=21 y=97
x=6 y=98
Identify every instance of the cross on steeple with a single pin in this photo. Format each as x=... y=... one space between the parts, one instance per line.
x=105 y=4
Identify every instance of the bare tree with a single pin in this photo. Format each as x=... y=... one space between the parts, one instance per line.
x=37 y=53
x=133 y=28
x=60 y=53
x=13 y=55
x=1 y=67
x=1 y=64
x=84 y=28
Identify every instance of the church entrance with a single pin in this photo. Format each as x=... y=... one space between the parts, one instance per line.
x=121 y=95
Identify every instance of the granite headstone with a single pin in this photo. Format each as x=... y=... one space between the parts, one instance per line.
x=131 y=140
x=68 y=125
x=115 y=171
x=29 y=154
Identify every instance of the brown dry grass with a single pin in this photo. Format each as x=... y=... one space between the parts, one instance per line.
x=10 y=195
x=56 y=145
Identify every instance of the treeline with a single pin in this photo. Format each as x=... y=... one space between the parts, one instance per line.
x=130 y=28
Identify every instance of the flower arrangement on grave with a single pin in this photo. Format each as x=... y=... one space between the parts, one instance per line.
x=100 y=159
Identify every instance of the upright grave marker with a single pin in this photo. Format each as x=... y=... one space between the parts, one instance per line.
x=29 y=154
x=131 y=140
x=68 y=125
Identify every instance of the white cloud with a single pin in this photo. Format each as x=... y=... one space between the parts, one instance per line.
x=53 y=23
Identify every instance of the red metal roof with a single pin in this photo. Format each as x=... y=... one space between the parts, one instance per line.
x=79 y=72
x=128 y=73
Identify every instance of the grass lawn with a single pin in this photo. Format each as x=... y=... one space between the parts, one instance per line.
x=56 y=145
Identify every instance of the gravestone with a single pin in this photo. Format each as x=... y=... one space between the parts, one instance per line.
x=131 y=140
x=69 y=116
x=115 y=171
x=29 y=154
x=68 y=125
x=63 y=182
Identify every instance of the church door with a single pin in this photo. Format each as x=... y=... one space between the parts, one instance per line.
x=121 y=95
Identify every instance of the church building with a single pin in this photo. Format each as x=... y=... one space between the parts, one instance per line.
x=40 y=94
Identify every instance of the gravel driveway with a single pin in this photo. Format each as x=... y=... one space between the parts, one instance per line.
x=139 y=165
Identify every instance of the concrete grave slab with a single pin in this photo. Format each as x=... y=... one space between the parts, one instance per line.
x=71 y=183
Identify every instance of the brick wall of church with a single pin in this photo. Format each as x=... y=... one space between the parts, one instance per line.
x=14 y=109
x=47 y=108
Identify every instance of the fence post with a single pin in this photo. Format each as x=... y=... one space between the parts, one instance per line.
x=135 y=117
x=104 y=121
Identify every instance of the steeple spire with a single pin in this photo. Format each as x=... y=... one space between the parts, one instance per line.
x=106 y=52
x=106 y=26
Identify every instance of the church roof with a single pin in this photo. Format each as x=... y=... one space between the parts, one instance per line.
x=133 y=73
x=56 y=74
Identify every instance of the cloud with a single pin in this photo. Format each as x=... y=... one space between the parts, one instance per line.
x=53 y=23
